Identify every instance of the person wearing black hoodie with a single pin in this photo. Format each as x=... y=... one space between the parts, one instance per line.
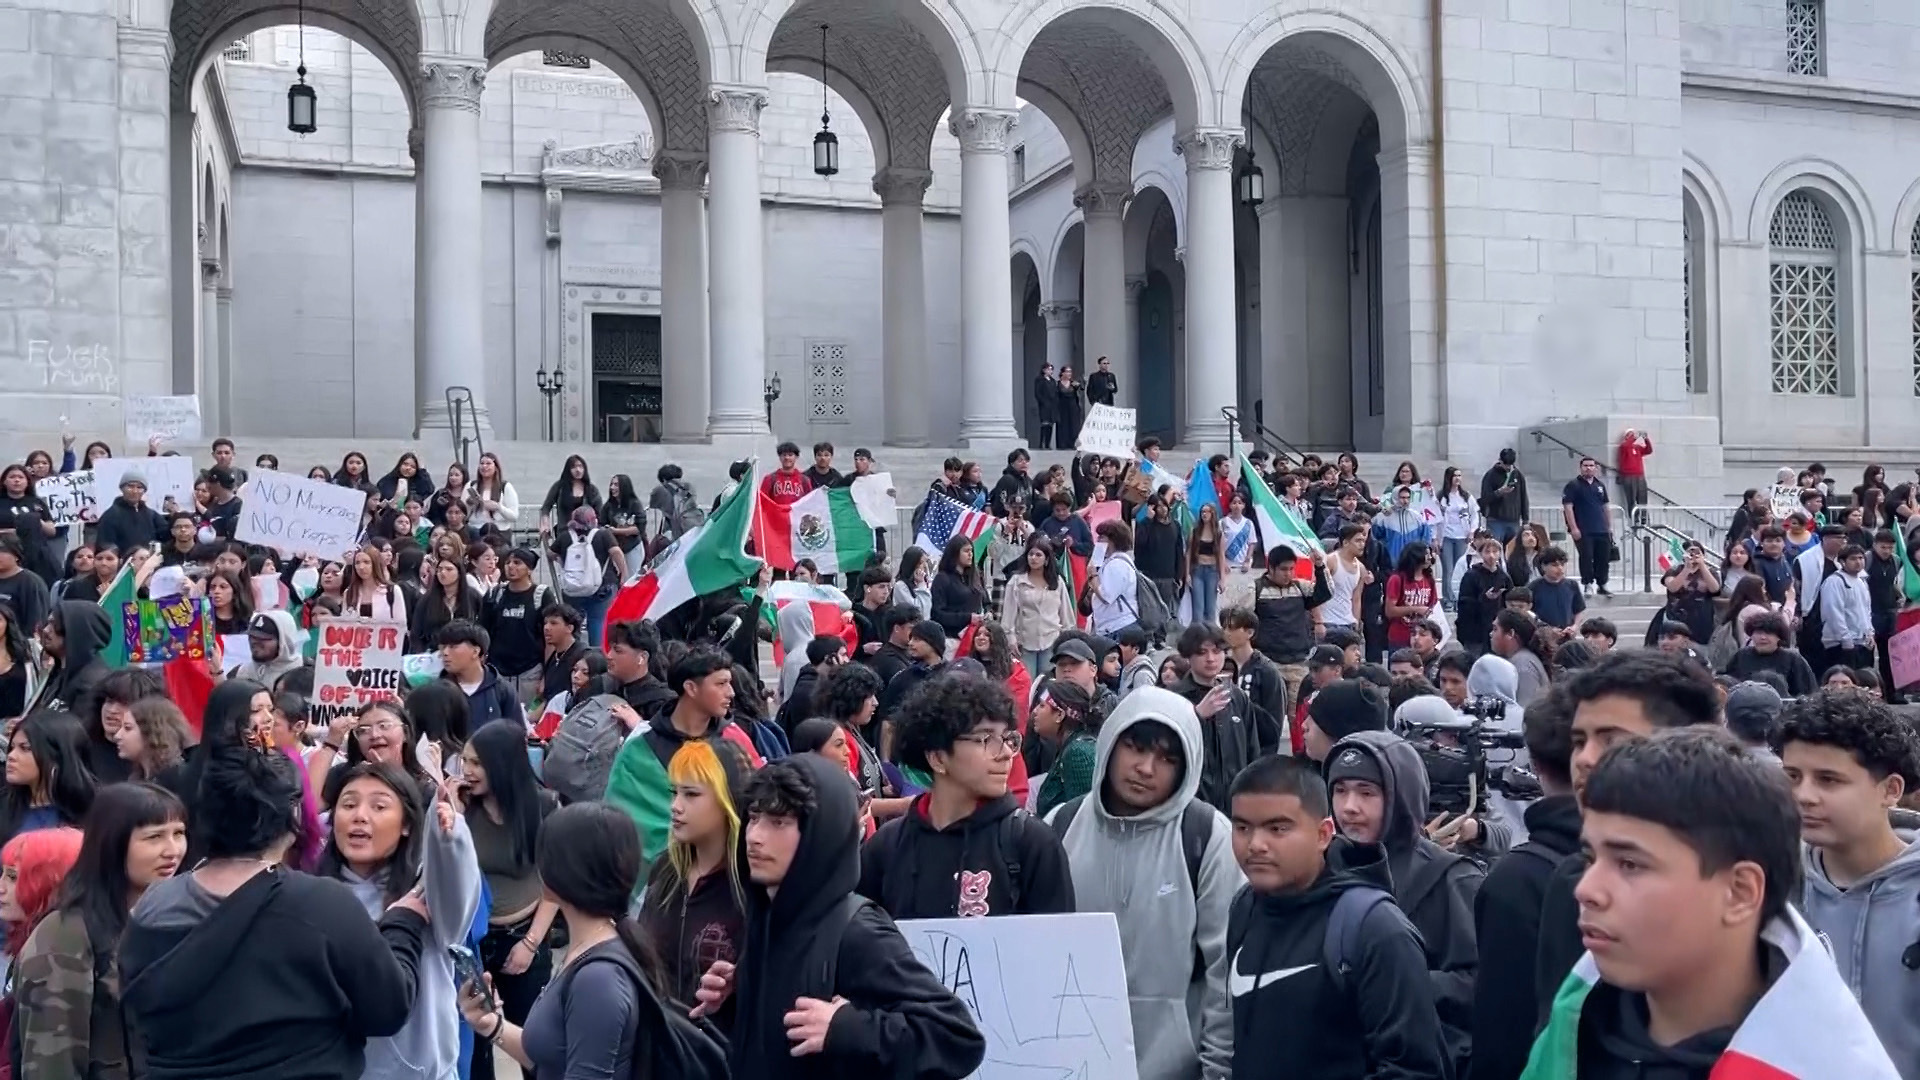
x=244 y=970
x=1434 y=886
x=1506 y=911
x=1228 y=722
x=74 y=635
x=631 y=651
x=824 y=653
x=827 y=988
x=1014 y=486
x=891 y=658
x=130 y=522
x=1295 y=1015
x=964 y=848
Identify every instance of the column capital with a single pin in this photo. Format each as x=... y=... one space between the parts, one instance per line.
x=1059 y=314
x=1102 y=199
x=452 y=82
x=1414 y=157
x=1208 y=148
x=417 y=145
x=735 y=108
x=678 y=170
x=899 y=186
x=1135 y=286
x=209 y=274
x=139 y=42
x=983 y=130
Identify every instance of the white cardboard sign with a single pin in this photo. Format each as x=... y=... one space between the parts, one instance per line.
x=168 y=477
x=1049 y=992
x=69 y=497
x=176 y=416
x=1108 y=430
x=297 y=516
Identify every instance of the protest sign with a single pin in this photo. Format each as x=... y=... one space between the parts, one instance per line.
x=358 y=661
x=172 y=416
x=164 y=630
x=873 y=496
x=69 y=497
x=297 y=516
x=1107 y=430
x=1049 y=992
x=234 y=651
x=1903 y=657
x=1785 y=499
x=166 y=477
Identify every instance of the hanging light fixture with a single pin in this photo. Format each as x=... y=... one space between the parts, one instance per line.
x=302 y=106
x=1252 y=183
x=826 y=146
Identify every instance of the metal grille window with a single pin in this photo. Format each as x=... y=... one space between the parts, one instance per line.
x=1803 y=38
x=1914 y=249
x=827 y=371
x=1686 y=299
x=1805 y=297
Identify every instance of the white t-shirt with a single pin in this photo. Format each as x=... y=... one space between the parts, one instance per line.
x=1338 y=610
x=1237 y=536
x=1115 y=605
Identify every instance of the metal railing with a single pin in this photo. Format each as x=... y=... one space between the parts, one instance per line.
x=1262 y=436
x=461 y=413
x=1666 y=501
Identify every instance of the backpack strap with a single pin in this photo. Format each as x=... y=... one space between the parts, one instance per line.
x=1196 y=832
x=1425 y=877
x=827 y=938
x=1341 y=950
x=1010 y=828
x=1063 y=817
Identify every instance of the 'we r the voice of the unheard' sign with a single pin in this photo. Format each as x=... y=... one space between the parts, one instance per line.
x=358 y=661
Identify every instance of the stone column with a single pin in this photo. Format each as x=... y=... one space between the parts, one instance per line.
x=1060 y=317
x=1210 y=310
x=417 y=150
x=449 y=243
x=903 y=302
x=1104 y=285
x=146 y=361
x=212 y=381
x=684 y=378
x=986 y=278
x=223 y=307
x=735 y=270
x=1282 y=403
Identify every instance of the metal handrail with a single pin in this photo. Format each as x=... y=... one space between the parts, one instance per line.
x=459 y=407
x=1574 y=451
x=1288 y=453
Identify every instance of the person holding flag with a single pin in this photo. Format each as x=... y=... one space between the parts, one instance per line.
x=709 y=558
x=1287 y=598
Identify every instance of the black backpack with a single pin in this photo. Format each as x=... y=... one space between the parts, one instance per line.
x=1340 y=951
x=669 y=1044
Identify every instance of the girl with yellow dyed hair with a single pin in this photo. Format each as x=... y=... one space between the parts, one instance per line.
x=694 y=909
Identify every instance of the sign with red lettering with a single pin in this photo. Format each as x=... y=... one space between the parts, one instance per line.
x=358 y=661
x=1903 y=657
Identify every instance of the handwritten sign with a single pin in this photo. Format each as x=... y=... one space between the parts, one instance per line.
x=1049 y=992
x=297 y=516
x=166 y=477
x=1107 y=430
x=1903 y=656
x=1784 y=499
x=69 y=497
x=162 y=631
x=234 y=651
x=176 y=416
x=358 y=661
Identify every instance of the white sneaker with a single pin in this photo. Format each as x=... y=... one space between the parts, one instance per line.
x=1586 y=588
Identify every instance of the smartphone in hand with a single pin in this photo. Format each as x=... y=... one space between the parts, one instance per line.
x=466 y=970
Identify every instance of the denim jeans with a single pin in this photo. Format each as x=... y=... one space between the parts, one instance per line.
x=594 y=610
x=1450 y=551
x=1503 y=531
x=1204 y=586
x=1036 y=661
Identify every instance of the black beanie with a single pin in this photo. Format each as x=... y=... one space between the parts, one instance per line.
x=1348 y=706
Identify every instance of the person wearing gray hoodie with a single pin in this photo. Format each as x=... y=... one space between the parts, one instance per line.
x=1132 y=852
x=275 y=642
x=432 y=852
x=1850 y=759
x=1433 y=886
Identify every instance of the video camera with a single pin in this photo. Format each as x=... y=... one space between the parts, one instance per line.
x=1454 y=753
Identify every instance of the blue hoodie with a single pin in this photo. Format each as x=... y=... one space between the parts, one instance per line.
x=428 y=1046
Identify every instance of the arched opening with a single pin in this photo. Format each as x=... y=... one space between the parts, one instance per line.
x=312 y=234
x=1336 y=278
x=1029 y=349
x=1693 y=283
x=1806 y=299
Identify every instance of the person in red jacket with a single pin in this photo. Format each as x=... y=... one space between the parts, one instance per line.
x=787 y=484
x=1635 y=449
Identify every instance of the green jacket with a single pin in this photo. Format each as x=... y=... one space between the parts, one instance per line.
x=68 y=1024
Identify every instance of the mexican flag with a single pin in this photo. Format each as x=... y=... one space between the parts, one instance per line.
x=824 y=525
x=1909 y=575
x=831 y=609
x=705 y=559
x=1279 y=525
x=1807 y=1026
x=1074 y=570
x=1673 y=556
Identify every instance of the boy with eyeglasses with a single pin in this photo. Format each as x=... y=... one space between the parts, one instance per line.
x=964 y=848
x=1145 y=847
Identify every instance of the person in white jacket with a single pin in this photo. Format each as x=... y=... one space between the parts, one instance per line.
x=492 y=501
x=1037 y=606
x=1459 y=521
x=1846 y=611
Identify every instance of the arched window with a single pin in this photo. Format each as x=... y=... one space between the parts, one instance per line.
x=1914 y=248
x=1686 y=300
x=1804 y=53
x=1805 y=298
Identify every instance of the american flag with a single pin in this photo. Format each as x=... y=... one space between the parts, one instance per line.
x=945 y=519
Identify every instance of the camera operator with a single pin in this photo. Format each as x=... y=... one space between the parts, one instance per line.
x=1380 y=797
x=1477 y=831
